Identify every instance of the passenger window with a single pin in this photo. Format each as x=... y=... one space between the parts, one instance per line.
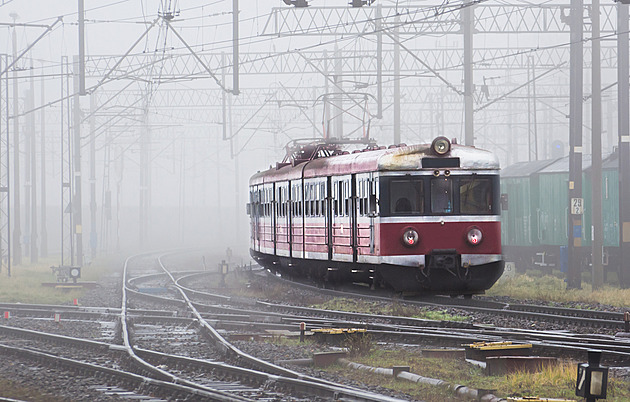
x=441 y=195
x=406 y=197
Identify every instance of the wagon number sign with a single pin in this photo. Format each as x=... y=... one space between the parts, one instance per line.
x=577 y=206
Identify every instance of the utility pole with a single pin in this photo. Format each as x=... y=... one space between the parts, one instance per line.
x=467 y=16
x=17 y=233
x=338 y=113
x=77 y=201
x=144 y=174
x=28 y=140
x=33 y=176
x=44 y=231
x=5 y=195
x=93 y=235
x=396 y=83
x=235 y=61
x=597 y=241
x=81 y=48
x=576 y=202
x=624 y=142
x=379 y=62
x=67 y=228
x=326 y=122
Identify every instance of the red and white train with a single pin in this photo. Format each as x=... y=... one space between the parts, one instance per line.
x=419 y=218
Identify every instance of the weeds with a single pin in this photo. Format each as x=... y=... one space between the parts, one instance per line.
x=552 y=289
x=358 y=344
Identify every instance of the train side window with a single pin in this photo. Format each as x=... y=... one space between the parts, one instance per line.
x=346 y=199
x=322 y=191
x=441 y=195
x=373 y=198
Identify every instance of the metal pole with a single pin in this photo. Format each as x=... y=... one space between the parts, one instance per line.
x=529 y=110
x=77 y=202
x=235 y=61
x=5 y=195
x=379 y=62
x=28 y=140
x=81 y=48
x=338 y=112
x=535 y=111
x=33 y=178
x=597 y=241
x=223 y=99
x=93 y=234
x=326 y=122
x=44 y=231
x=624 y=142
x=17 y=233
x=575 y=200
x=467 y=28
x=396 y=83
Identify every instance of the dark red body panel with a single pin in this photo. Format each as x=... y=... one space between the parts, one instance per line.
x=434 y=235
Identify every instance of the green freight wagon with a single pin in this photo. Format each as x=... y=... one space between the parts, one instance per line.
x=519 y=222
x=534 y=227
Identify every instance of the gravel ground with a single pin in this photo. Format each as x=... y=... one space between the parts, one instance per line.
x=54 y=384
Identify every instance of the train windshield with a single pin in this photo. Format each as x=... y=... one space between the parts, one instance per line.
x=406 y=197
x=475 y=195
x=441 y=195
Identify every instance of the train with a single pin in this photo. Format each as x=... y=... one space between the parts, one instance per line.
x=534 y=226
x=416 y=219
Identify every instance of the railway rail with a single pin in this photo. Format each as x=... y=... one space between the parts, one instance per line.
x=579 y=317
x=252 y=369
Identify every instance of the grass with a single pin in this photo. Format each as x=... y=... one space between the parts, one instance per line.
x=552 y=382
x=25 y=284
x=552 y=289
x=396 y=309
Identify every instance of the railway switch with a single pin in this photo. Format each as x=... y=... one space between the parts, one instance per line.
x=592 y=379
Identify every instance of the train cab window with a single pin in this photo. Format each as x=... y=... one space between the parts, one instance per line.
x=475 y=195
x=441 y=195
x=406 y=197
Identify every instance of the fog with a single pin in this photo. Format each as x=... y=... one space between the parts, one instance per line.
x=174 y=148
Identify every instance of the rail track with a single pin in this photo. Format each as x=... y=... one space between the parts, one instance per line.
x=180 y=348
x=250 y=370
x=413 y=330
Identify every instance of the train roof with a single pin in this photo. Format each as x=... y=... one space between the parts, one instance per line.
x=551 y=166
x=525 y=169
x=402 y=158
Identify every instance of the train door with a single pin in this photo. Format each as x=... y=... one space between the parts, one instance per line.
x=297 y=219
x=266 y=223
x=256 y=210
x=272 y=212
x=342 y=242
x=353 y=212
x=283 y=222
x=328 y=216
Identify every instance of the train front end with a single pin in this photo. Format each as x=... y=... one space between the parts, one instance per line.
x=439 y=225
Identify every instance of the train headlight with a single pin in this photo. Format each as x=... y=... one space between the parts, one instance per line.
x=474 y=236
x=410 y=238
x=441 y=145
